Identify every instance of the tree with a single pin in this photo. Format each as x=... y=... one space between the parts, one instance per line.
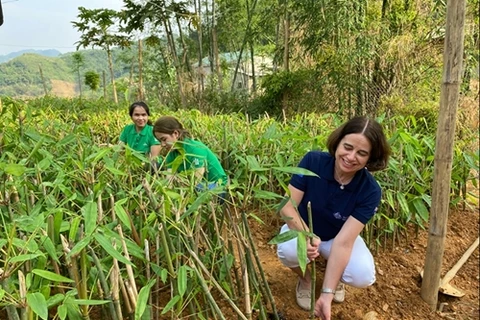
x=101 y=28
x=78 y=62
x=92 y=80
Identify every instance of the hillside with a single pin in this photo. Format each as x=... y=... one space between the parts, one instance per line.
x=12 y=55
x=21 y=75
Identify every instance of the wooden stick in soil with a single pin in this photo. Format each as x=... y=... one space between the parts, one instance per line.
x=115 y=276
x=313 y=273
x=23 y=295
x=268 y=292
x=221 y=242
x=157 y=283
x=147 y=269
x=241 y=243
x=104 y=285
x=129 y=268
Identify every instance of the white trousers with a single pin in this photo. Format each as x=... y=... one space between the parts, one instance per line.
x=360 y=269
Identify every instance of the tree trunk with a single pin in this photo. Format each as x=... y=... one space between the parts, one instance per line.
x=43 y=80
x=176 y=63
x=79 y=83
x=104 y=77
x=218 y=70
x=245 y=39
x=452 y=72
x=252 y=59
x=286 y=40
x=200 y=48
x=112 y=75
x=141 y=94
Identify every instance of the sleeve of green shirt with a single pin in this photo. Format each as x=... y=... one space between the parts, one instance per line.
x=123 y=135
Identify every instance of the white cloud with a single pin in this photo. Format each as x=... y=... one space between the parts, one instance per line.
x=44 y=24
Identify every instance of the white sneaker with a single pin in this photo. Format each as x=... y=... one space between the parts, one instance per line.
x=339 y=296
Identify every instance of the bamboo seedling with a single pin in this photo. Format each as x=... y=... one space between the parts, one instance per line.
x=104 y=285
x=313 y=272
x=131 y=287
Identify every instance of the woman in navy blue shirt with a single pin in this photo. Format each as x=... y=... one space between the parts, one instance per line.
x=343 y=198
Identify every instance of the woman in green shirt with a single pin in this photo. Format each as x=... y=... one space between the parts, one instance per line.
x=185 y=153
x=139 y=135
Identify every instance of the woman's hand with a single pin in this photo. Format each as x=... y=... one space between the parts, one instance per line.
x=312 y=248
x=323 y=306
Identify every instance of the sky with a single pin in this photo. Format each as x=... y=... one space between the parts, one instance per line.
x=44 y=24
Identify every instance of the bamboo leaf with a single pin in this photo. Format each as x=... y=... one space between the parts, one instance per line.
x=85 y=302
x=302 y=251
x=284 y=237
x=296 y=170
x=25 y=257
x=14 y=169
x=51 y=276
x=182 y=280
x=171 y=304
x=107 y=246
x=79 y=246
x=62 y=311
x=36 y=301
x=90 y=215
x=421 y=208
x=115 y=171
x=50 y=248
x=122 y=215
x=143 y=299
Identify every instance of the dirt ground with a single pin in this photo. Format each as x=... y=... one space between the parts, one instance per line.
x=396 y=293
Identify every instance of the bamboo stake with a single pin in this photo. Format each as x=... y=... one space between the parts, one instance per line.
x=129 y=268
x=157 y=282
x=22 y=287
x=313 y=274
x=211 y=278
x=147 y=269
x=104 y=284
x=268 y=292
x=452 y=74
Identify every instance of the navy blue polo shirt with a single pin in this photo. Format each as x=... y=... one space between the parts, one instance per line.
x=331 y=206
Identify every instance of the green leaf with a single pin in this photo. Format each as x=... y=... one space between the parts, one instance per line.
x=115 y=171
x=62 y=311
x=50 y=248
x=36 y=301
x=143 y=299
x=170 y=304
x=15 y=169
x=90 y=215
x=107 y=246
x=80 y=246
x=182 y=280
x=54 y=300
x=284 y=237
x=297 y=170
x=85 y=302
x=122 y=215
x=421 y=208
x=51 y=276
x=25 y=257
x=302 y=251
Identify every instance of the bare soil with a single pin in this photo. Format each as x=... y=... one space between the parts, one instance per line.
x=63 y=89
x=396 y=293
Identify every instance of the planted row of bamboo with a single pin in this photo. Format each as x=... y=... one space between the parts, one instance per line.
x=86 y=227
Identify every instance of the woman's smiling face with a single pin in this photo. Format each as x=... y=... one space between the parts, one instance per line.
x=139 y=117
x=352 y=154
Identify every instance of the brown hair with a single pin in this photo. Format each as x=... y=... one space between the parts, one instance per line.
x=373 y=131
x=168 y=125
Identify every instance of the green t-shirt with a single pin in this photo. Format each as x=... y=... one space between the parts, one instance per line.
x=139 y=141
x=193 y=154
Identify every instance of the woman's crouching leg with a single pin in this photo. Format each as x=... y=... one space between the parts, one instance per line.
x=360 y=270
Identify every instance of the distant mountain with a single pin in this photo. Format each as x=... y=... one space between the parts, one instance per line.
x=20 y=76
x=46 y=53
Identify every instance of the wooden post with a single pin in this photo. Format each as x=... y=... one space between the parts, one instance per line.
x=452 y=69
x=43 y=80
